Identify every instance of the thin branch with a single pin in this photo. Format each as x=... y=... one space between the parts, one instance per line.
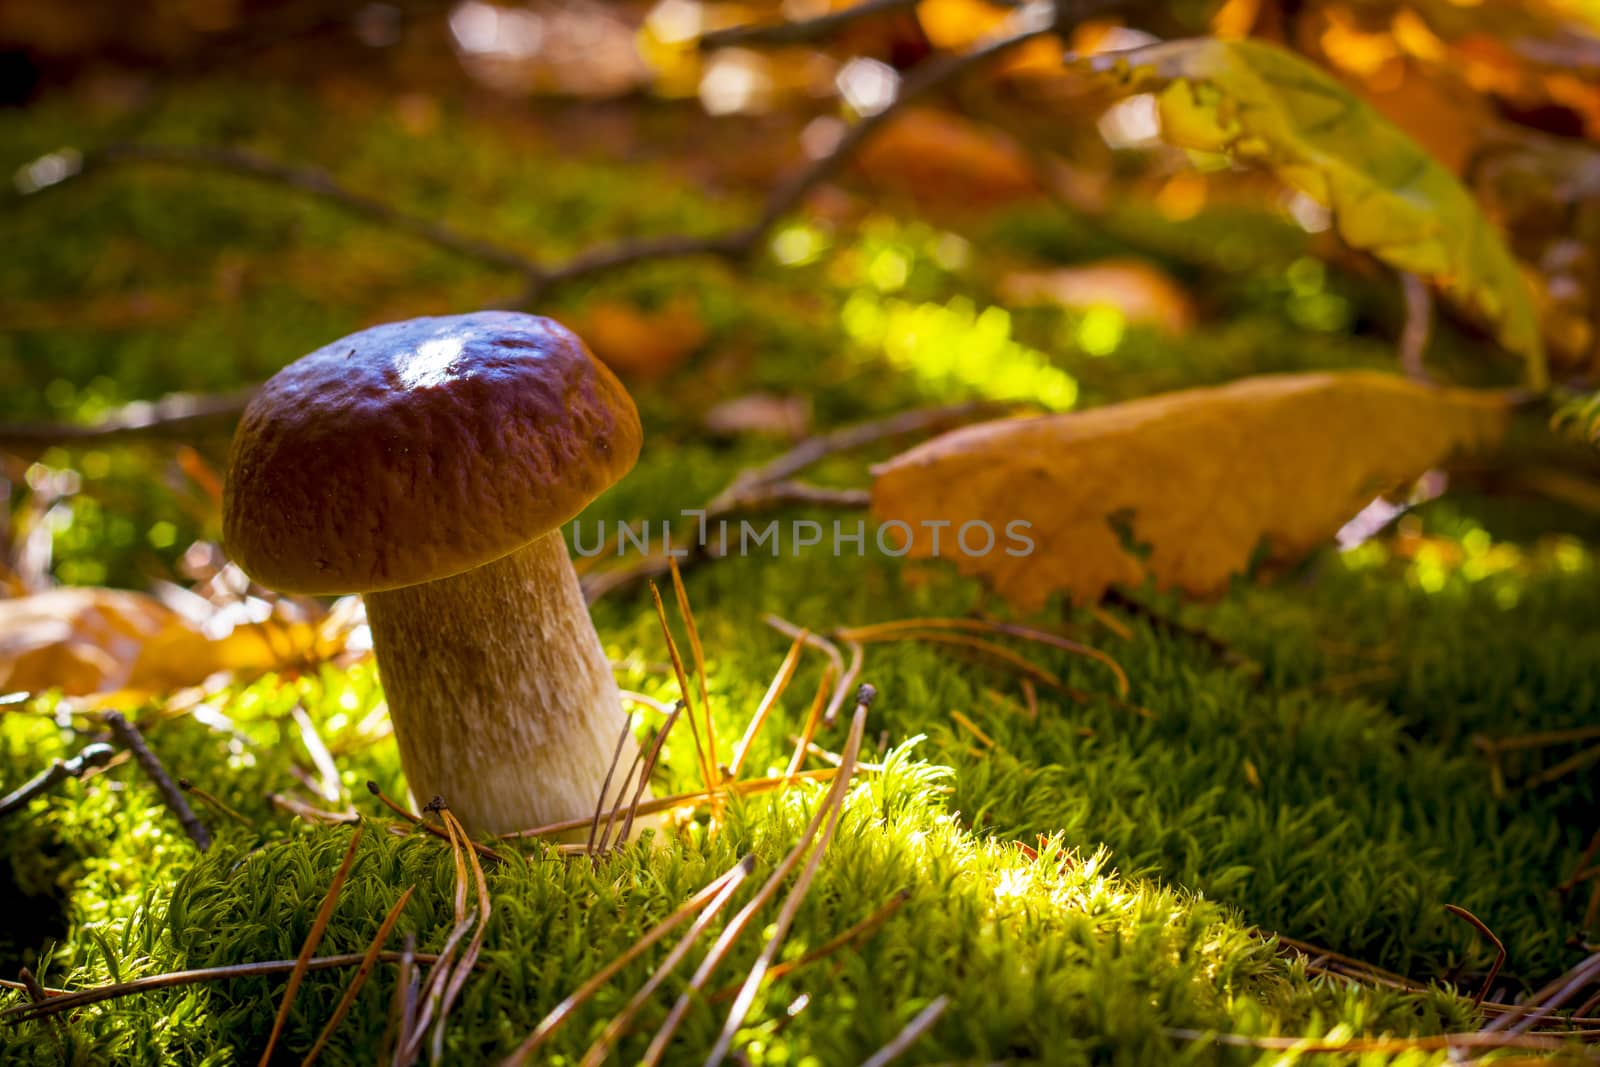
x=1418 y=326
x=131 y=739
x=800 y=30
x=308 y=180
x=788 y=195
x=180 y=416
x=91 y=757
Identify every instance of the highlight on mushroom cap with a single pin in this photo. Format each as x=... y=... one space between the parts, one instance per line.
x=420 y=449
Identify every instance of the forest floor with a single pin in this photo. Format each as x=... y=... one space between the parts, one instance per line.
x=1064 y=876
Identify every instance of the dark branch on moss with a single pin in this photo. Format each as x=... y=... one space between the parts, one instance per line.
x=128 y=735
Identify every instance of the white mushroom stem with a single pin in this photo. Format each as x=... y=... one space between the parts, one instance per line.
x=501 y=697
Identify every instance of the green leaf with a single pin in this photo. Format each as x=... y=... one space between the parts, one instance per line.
x=1252 y=100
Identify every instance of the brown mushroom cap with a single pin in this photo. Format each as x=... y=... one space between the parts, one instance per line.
x=421 y=449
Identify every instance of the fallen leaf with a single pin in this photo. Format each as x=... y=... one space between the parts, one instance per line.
x=1140 y=291
x=1256 y=101
x=761 y=413
x=88 y=640
x=940 y=160
x=1201 y=477
x=638 y=344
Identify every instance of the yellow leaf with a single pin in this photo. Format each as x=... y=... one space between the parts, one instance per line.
x=1254 y=100
x=1201 y=478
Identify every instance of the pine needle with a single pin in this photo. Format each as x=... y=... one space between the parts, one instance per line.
x=696 y=651
x=576 y=999
x=736 y=926
x=708 y=773
x=368 y=961
x=910 y=1035
x=834 y=805
x=318 y=926
x=780 y=682
x=597 y=1052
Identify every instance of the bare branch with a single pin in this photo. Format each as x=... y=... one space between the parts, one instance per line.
x=740 y=243
x=180 y=416
x=309 y=180
x=801 y=30
x=131 y=739
x=91 y=757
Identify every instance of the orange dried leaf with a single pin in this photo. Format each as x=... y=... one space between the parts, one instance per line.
x=1201 y=477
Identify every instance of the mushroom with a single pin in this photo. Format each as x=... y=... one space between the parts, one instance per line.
x=429 y=465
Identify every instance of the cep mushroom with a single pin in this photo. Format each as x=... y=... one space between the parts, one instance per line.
x=429 y=465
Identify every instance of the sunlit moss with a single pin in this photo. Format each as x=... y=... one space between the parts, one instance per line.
x=953 y=348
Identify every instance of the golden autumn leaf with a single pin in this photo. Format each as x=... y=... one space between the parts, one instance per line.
x=87 y=640
x=1201 y=477
x=1253 y=100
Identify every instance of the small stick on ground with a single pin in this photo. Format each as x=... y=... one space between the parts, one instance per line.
x=37 y=995
x=708 y=769
x=129 y=736
x=1499 y=949
x=318 y=925
x=89 y=758
x=1419 y=324
x=910 y=1035
x=645 y=771
x=748 y=787
x=398 y=1033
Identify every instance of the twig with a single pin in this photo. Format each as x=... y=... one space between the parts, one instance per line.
x=1381 y=1045
x=87 y=759
x=130 y=737
x=846 y=439
x=799 y=31
x=910 y=1035
x=179 y=416
x=416 y=820
x=308 y=180
x=1419 y=324
x=1499 y=949
x=84 y=997
x=1573 y=981
x=787 y=196
x=780 y=682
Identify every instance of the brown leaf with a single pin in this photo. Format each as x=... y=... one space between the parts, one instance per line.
x=85 y=640
x=642 y=345
x=942 y=161
x=1201 y=477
